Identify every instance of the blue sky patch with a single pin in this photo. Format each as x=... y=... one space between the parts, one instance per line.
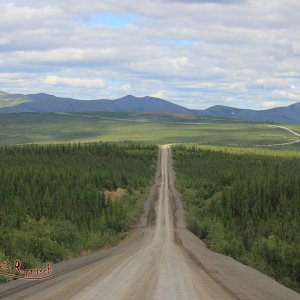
x=184 y=42
x=113 y=19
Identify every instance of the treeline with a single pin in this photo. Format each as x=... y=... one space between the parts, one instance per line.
x=245 y=206
x=52 y=203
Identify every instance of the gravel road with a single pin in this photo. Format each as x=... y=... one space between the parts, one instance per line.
x=162 y=260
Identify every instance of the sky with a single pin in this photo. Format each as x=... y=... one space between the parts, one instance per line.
x=196 y=53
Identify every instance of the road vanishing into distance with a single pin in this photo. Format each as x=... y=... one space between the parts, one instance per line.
x=161 y=260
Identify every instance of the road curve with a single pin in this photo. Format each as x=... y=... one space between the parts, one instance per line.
x=287 y=129
x=282 y=144
x=162 y=260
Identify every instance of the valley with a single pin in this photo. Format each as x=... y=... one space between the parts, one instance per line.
x=151 y=128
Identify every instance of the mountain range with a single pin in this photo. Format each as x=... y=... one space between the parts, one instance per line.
x=18 y=103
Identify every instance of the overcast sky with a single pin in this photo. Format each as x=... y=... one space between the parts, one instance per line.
x=194 y=53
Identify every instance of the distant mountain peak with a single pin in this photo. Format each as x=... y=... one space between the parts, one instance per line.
x=128 y=97
x=42 y=102
x=2 y=93
x=132 y=97
x=295 y=106
x=41 y=95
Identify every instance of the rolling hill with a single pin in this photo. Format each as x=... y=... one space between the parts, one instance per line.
x=49 y=103
x=8 y=100
x=289 y=114
x=17 y=103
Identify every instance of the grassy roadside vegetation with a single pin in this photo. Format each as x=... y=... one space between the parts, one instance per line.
x=244 y=203
x=52 y=204
x=295 y=128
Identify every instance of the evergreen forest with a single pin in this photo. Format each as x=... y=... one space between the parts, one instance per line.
x=246 y=206
x=52 y=203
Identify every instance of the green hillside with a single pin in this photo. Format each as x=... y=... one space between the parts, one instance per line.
x=7 y=100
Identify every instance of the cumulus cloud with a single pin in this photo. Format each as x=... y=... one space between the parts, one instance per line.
x=221 y=2
x=4 y=41
x=27 y=17
x=196 y=53
x=73 y=82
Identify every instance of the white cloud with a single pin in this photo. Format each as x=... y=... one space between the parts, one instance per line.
x=73 y=82
x=65 y=55
x=14 y=17
x=275 y=83
x=269 y=104
x=4 y=41
x=273 y=104
x=196 y=53
x=126 y=88
x=161 y=94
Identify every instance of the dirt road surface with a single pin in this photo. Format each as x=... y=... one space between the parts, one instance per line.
x=163 y=260
x=282 y=144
